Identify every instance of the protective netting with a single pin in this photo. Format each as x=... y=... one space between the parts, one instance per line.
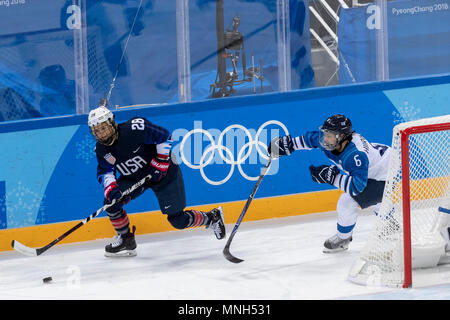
x=382 y=259
x=36 y=75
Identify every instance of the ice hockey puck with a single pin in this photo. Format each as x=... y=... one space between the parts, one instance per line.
x=47 y=279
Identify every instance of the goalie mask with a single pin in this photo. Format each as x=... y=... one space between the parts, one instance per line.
x=334 y=131
x=102 y=125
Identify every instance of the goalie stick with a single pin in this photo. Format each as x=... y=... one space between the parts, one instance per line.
x=33 y=252
x=226 y=250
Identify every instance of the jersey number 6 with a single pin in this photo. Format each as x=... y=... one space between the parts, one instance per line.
x=357 y=161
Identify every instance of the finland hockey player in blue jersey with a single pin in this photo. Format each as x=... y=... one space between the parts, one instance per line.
x=132 y=150
x=359 y=169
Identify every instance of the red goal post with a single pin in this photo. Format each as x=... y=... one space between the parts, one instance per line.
x=405 y=134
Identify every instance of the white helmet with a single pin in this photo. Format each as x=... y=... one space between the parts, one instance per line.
x=101 y=115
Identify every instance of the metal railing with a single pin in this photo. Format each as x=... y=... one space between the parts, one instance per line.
x=324 y=20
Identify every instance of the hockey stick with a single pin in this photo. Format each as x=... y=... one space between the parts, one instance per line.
x=105 y=100
x=33 y=252
x=226 y=250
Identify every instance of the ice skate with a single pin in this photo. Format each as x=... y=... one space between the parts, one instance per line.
x=217 y=222
x=336 y=244
x=122 y=245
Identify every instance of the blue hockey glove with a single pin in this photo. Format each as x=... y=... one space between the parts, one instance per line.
x=324 y=173
x=281 y=147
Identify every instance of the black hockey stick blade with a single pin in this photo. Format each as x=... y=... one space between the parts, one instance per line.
x=227 y=254
x=231 y=258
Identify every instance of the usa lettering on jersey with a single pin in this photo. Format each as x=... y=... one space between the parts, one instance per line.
x=130 y=156
x=131 y=165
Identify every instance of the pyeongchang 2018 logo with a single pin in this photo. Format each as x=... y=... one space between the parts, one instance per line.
x=231 y=147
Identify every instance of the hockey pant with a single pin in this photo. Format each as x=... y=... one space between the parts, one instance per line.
x=347 y=207
x=171 y=197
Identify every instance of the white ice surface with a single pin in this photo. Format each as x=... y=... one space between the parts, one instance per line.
x=283 y=261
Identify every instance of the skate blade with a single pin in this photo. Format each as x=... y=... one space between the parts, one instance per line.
x=125 y=253
x=339 y=249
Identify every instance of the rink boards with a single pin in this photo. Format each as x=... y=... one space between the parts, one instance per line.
x=48 y=177
x=154 y=221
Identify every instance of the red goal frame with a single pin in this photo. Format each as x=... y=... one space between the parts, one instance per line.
x=405 y=134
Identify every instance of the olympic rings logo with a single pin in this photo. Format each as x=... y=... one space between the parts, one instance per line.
x=226 y=155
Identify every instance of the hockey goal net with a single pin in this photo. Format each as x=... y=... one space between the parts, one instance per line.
x=406 y=232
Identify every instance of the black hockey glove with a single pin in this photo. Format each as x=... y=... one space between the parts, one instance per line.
x=281 y=147
x=324 y=173
x=160 y=168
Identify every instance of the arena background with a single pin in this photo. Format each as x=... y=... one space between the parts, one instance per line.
x=48 y=176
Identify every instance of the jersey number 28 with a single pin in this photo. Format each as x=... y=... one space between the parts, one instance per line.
x=137 y=124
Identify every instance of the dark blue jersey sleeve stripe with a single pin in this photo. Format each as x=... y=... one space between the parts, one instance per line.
x=155 y=134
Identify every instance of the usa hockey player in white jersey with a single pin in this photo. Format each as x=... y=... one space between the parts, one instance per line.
x=359 y=169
